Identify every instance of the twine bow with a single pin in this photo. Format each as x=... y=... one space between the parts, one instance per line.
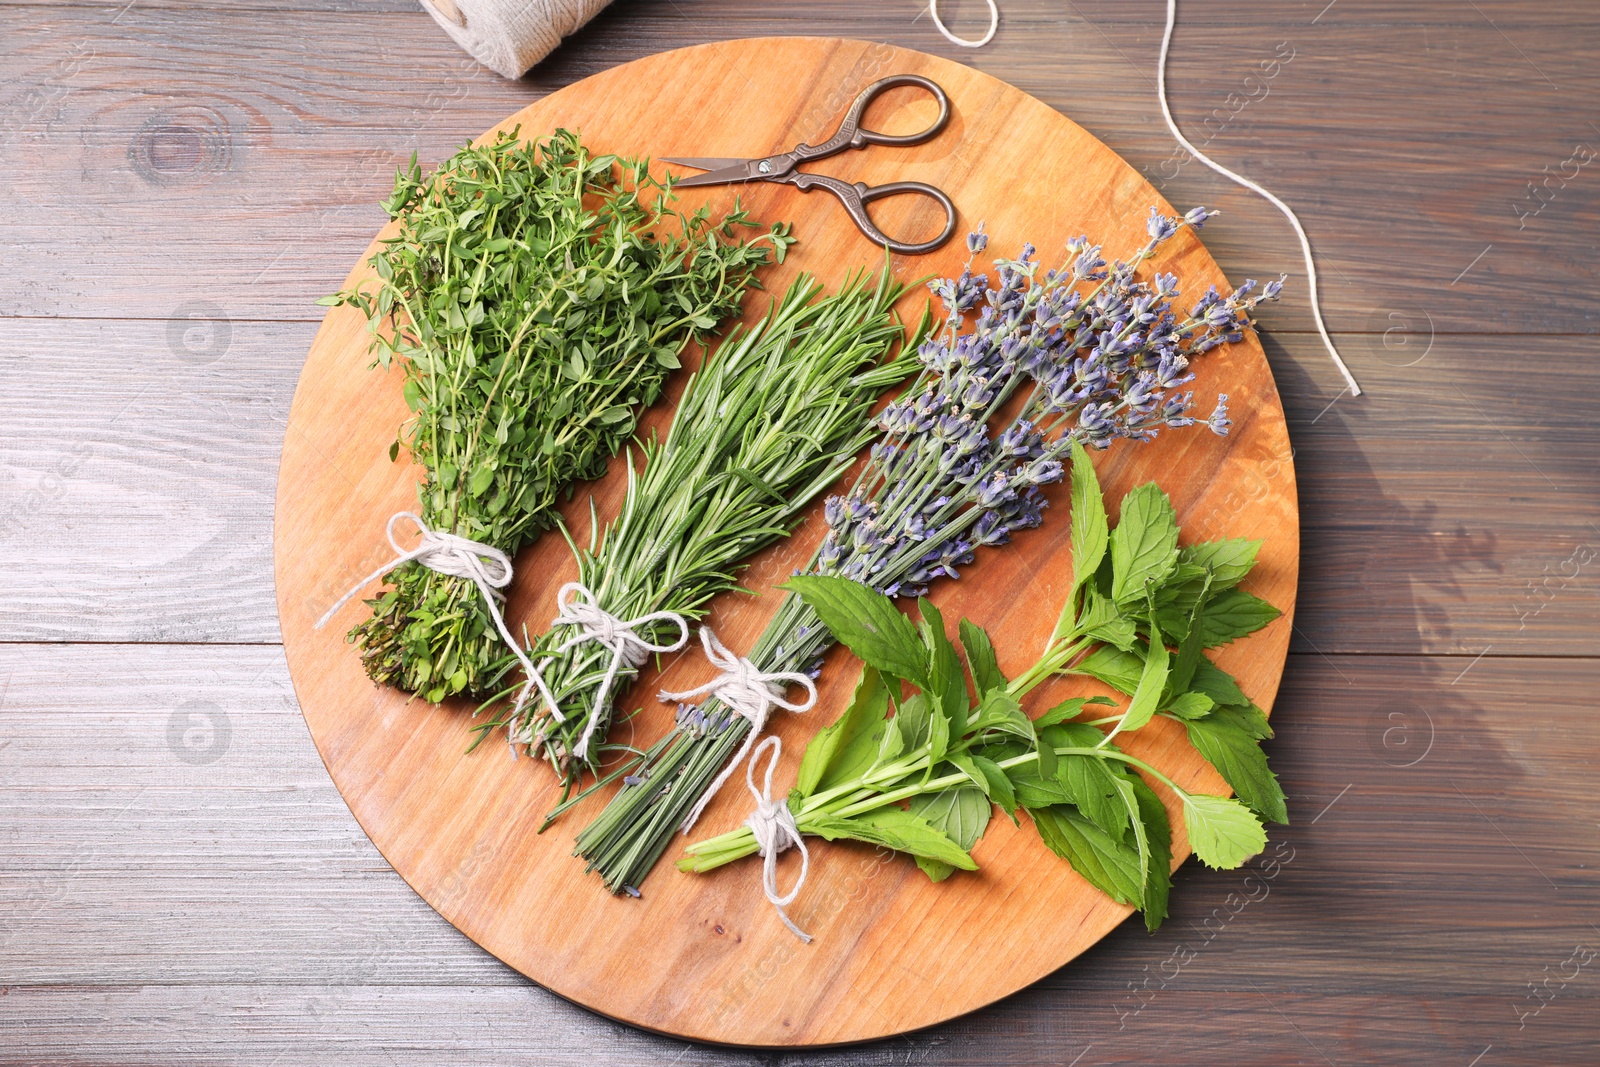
x=750 y=693
x=772 y=823
x=594 y=623
x=459 y=557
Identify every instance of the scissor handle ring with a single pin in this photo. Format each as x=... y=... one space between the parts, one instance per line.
x=851 y=135
x=858 y=136
x=869 y=193
x=855 y=197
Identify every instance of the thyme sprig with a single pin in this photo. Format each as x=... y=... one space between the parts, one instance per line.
x=536 y=295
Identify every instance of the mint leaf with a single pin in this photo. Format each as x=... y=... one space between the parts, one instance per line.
x=1070 y=708
x=1230 y=740
x=962 y=761
x=867 y=623
x=961 y=814
x=1088 y=519
x=1223 y=832
x=1144 y=546
x=1034 y=790
x=914 y=716
x=1228 y=561
x=999 y=786
x=1216 y=683
x=1106 y=863
x=1234 y=614
x=947 y=686
x=1118 y=669
x=844 y=750
x=980 y=658
x=1103 y=621
x=1175 y=603
x=1158 y=861
x=1152 y=685
x=892 y=742
x=895 y=829
x=1141 y=840
x=1092 y=786
x=1190 y=706
x=1189 y=650
x=999 y=710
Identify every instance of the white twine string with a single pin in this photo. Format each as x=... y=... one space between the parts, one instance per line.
x=1166 y=111
x=1305 y=242
x=994 y=24
x=748 y=693
x=594 y=623
x=772 y=823
x=460 y=557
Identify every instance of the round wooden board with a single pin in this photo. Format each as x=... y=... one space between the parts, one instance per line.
x=705 y=957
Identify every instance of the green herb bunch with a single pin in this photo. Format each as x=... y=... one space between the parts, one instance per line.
x=537 y=296
x=1097 y=353
x=767 y=424
x=920 y=773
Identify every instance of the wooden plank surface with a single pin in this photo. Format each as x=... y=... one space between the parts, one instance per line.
x=293 y=162
x=1446 y=513
x=194 y=900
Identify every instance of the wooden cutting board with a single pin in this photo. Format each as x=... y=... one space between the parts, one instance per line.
x=704 y=956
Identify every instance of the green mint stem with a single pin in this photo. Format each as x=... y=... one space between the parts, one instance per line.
x=714 y=852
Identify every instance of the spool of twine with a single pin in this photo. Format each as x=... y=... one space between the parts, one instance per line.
x=510 y=36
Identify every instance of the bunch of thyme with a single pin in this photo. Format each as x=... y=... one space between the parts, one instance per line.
x=773 y=417
x=537 y=296
x=1104 y=356
x=950 y=759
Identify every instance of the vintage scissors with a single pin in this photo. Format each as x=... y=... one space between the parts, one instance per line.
x=854 y=195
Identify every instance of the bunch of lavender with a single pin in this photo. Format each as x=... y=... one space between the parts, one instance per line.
x=1105 y=357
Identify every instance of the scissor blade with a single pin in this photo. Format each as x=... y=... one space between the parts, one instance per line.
x=704 y=162
x=743 y=171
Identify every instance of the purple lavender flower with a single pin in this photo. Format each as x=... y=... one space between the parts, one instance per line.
x=990 y=529
x=1159 y=226
x=1103 y=355
x=1219 y=421
x=993 y=490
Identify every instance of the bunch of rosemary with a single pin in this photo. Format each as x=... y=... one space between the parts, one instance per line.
x=948 y=759
x=776 y=413
x=537 y=296
x=1100 y=355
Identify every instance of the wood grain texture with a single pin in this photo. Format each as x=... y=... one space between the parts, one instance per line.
x=435 y=813
x=153 y=444
x=154 y=909
x=134 y=155
x=266 y=931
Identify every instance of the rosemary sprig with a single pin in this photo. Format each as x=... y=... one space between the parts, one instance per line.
x=772 y=419
x=537 y=296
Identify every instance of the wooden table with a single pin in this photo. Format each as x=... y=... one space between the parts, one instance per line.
x=181 y=884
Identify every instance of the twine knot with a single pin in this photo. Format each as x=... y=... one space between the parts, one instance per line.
x=486 y=566
x=772 y=824
x=628 y=649
x=751 y=693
